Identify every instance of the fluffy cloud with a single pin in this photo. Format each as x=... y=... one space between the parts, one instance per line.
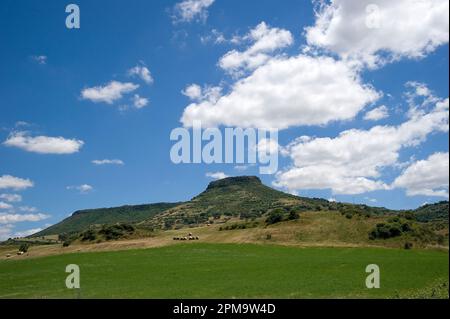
x=215 y=36
x=193 y=92
x=28 y=209
x=16 y=183
x=5 y=206
x=351 y=163
x=375 y=32
x=83 y=189
x=208 y=93
x=267 y=146
x=11 y=198
x=139 y=102
x=191 y=10
x=108 y=93
x=428 y=177
x=265 y=40
x=40 y=59
x=43 y=144
x=17 y=218
x=108 y=162
x=217 y=175
x=142 y=72
x=285 y=92
x=377 y=114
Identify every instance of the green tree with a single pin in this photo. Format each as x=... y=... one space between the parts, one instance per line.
x=24 y=247
x=275 y=217
x=293 y=215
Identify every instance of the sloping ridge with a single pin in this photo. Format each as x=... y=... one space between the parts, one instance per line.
x=81 y=220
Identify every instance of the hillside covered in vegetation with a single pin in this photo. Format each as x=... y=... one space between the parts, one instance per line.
x=245 y=202
x=82 y=220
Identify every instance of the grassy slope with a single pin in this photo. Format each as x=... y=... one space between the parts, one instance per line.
x=323 y=229
x=196 y=270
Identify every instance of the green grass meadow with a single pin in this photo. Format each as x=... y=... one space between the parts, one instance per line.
x=226 y=271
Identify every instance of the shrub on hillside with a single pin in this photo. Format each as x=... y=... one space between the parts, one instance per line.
x=24 y=247
x=275 y=216
x=385 y=231
x=88 y=235
x=397 y=226
x=117 y=231
x=239 y=226
x=293 y=215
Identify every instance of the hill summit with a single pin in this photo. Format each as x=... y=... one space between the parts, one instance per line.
x=243 y=196
x=235 y=181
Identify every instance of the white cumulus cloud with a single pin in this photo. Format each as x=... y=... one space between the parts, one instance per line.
x=217 y=175
x=191 y=10
x=108 y=162
x=109 y=93
x=17 y=218
x=139 y=102
x=142 y=72
x=266 y=40
x=28 y=209
x=83 y=189
x=429 y=177
x=286 y=92
x=377 y=114
x=16 y=183
x=372 y=32
x=5 y=205
x=352 y=162
x=43 y=144
x=11 y=198
x=40 y=59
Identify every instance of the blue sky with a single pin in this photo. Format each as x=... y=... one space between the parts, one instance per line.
x=308 y=73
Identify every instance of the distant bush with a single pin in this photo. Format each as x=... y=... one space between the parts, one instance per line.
x=385 y=231
x=293 y=215
x=24 y=247
x=63 y=237
x=116 y=231
x=168 y=224
x=238 y=226
x=398 y=226
x=408 y=246
x=88 y=235
x=408 y=215
x=250 y=215
x=275 y=216
x=66 y=243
